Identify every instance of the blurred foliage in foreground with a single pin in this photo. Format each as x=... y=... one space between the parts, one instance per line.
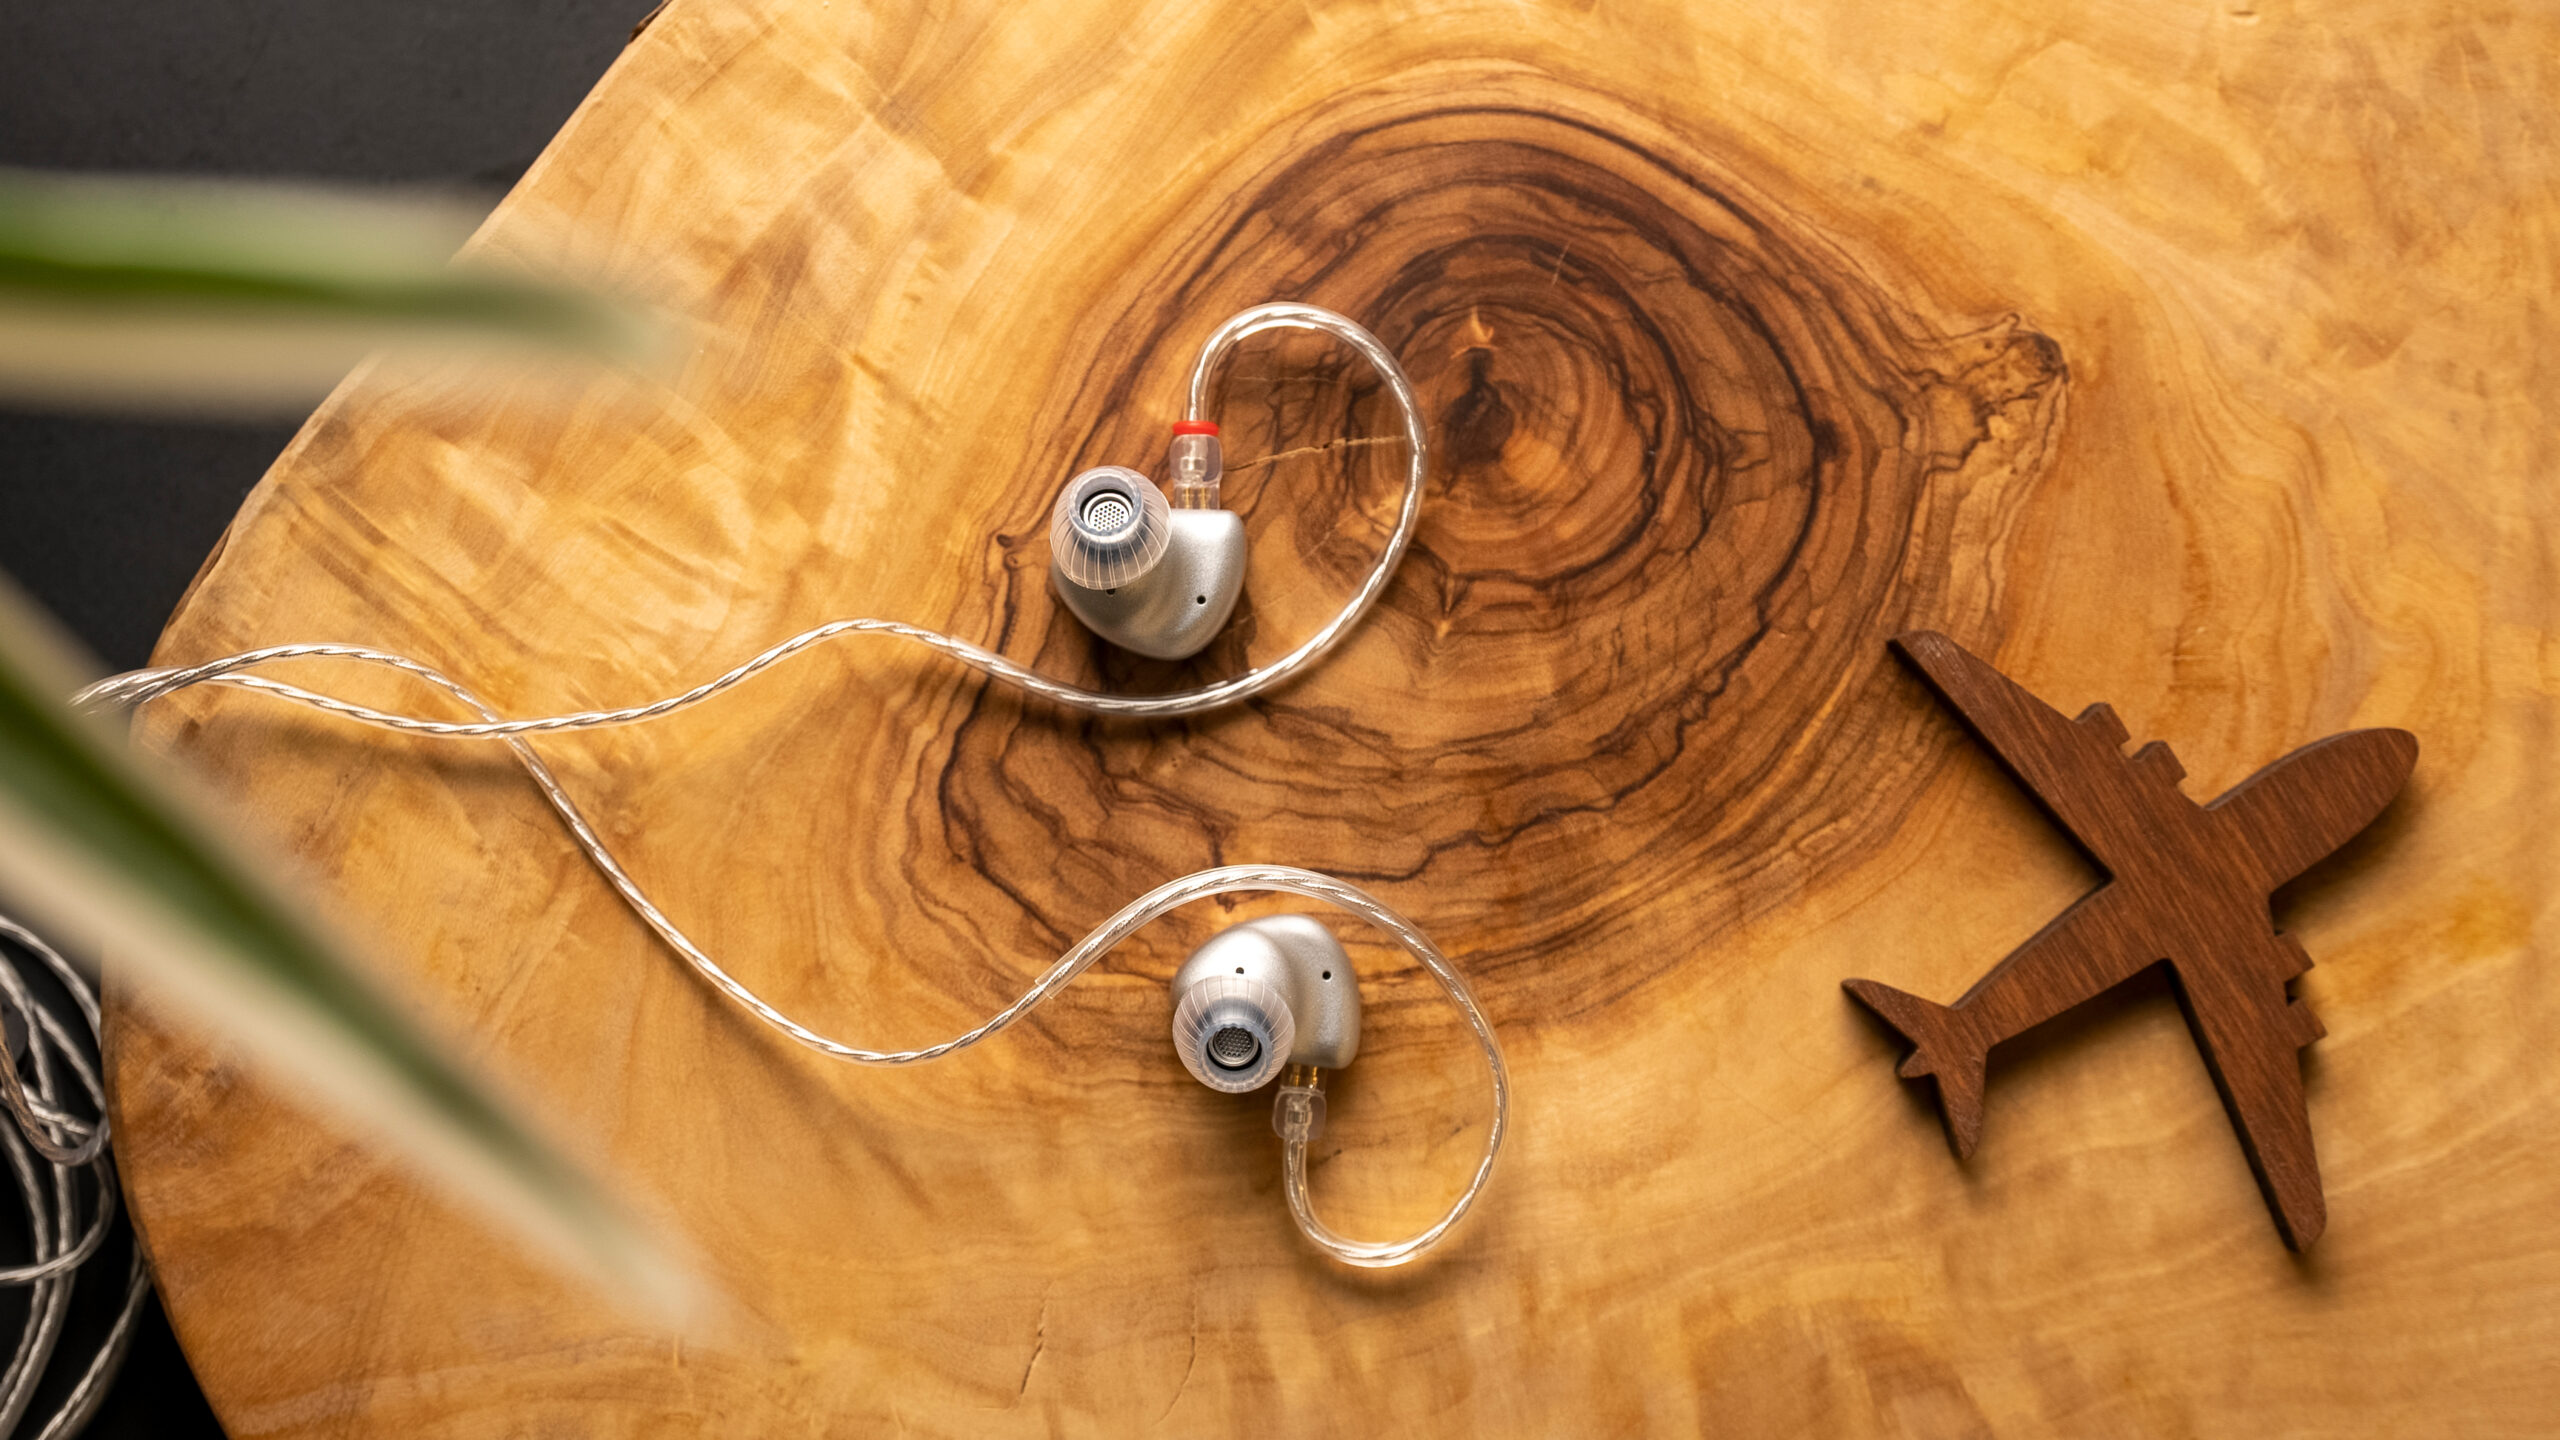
x=195 y=295
x=160 y=295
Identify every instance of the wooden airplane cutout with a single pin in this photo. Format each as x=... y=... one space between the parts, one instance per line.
x=2187 y=884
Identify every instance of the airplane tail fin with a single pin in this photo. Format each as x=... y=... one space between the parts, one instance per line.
x=1942 y=1049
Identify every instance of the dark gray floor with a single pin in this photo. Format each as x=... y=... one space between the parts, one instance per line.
x=104 y=522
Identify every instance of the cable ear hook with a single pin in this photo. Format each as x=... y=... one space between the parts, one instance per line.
x=1169 y=598
x=1277 y=998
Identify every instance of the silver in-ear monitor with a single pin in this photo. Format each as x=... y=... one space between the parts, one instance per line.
x=1157 y=578
x=1263 y=995
x=1278 y=999
x=1160 y=577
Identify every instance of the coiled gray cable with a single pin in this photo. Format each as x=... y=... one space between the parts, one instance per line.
x=63 y=1145
x=141 y=686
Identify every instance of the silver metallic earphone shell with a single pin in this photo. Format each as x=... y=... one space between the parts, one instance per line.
x=1178 y=606
x=1299 y=958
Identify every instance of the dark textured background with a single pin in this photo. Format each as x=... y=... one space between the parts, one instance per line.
x=104 y=521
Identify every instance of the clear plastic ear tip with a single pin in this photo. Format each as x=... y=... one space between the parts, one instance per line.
x=1111 y=525
x=1233 y=1032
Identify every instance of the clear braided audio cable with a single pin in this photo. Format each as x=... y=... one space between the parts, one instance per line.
x=137 y=686
x=141 y=686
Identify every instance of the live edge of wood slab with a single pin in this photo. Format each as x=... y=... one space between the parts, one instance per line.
x=2196 y=359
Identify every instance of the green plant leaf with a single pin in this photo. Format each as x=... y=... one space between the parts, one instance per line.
x=97 y=847
x=195 y=294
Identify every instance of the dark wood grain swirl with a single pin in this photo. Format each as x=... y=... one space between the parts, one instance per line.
x=1692 y=465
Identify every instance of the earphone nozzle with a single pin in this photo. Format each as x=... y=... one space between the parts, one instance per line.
x=1233 y=1032
x=1110 y=526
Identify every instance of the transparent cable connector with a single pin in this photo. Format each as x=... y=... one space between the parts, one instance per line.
x=1193 y=465
x=1297 y=1108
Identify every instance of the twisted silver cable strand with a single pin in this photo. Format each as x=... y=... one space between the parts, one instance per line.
x=137 y=686
x=141 y=686
x=64 y=1145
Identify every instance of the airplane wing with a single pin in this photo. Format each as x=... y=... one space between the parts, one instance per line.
x=2076 y=768
x=2251 y=1036
x=2293 y=813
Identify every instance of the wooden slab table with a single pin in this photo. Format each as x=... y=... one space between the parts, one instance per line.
x=2194 y=359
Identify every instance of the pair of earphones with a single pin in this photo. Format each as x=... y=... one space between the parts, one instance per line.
x=1275 y=998
x=1160 y=575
